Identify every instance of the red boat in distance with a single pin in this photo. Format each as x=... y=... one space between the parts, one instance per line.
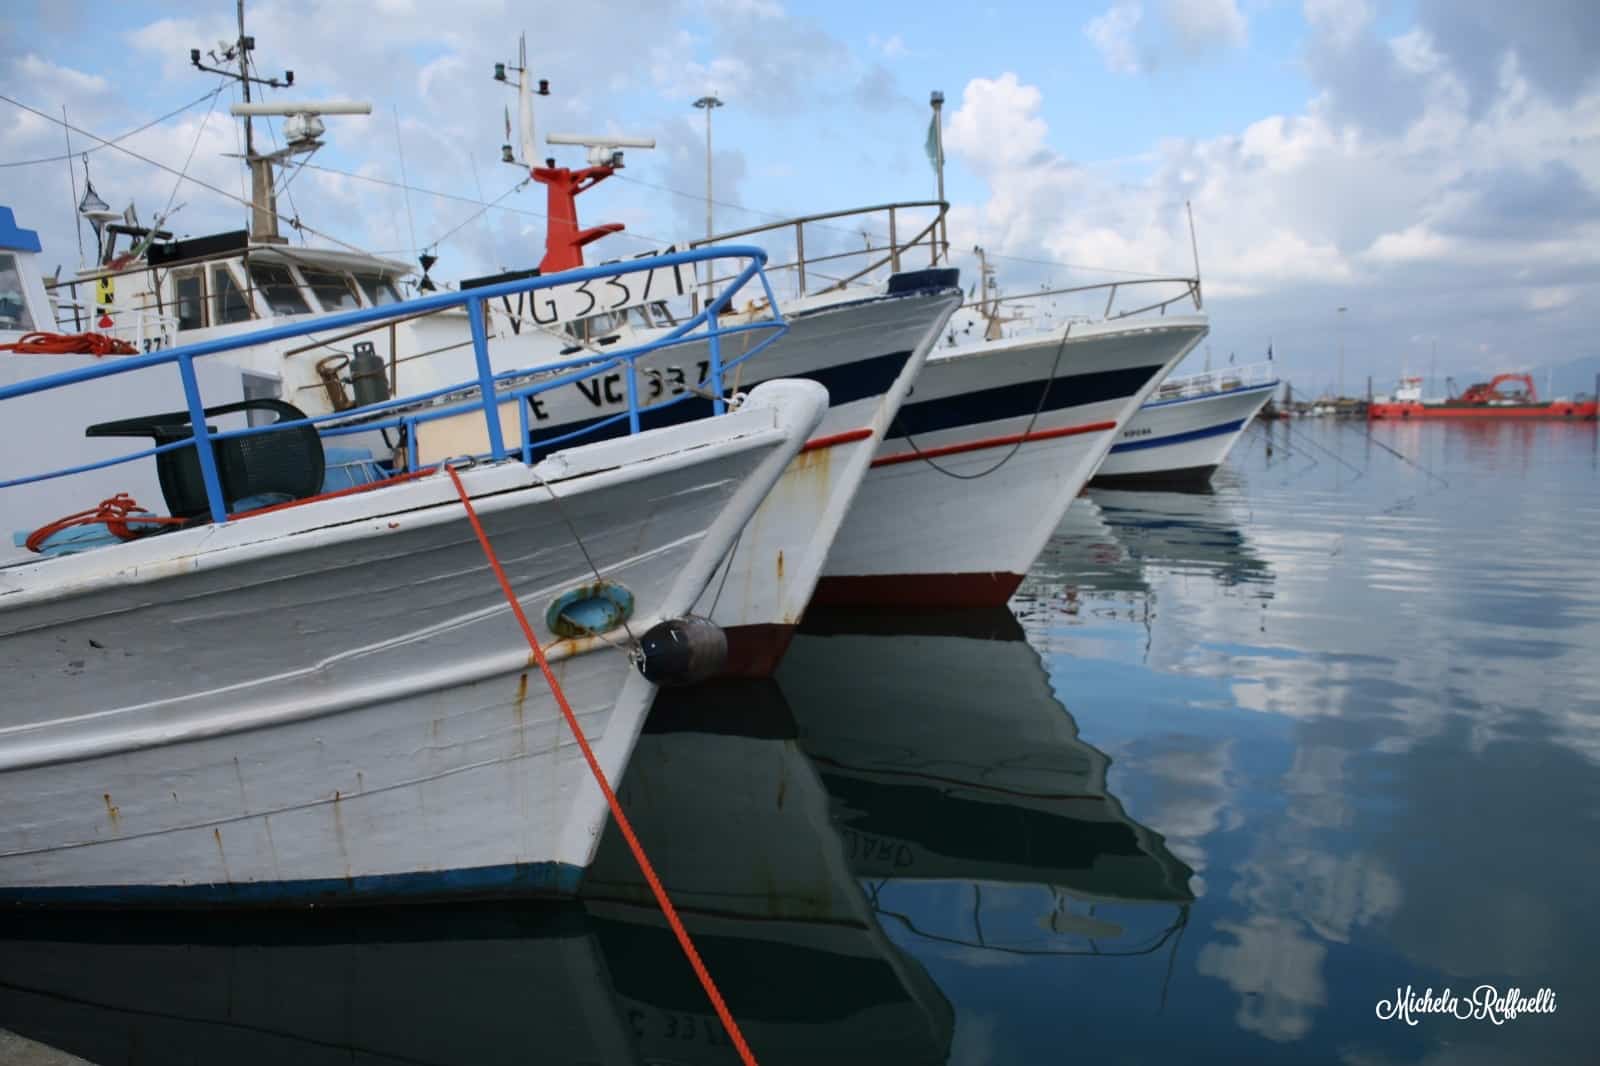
x=1483 y=400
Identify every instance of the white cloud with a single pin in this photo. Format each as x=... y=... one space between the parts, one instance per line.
x=997 y=127
x=1112 y=33
x=1341 y=20
x=1204 y=25
x=1412 y=243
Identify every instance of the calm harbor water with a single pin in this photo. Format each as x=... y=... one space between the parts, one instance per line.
x=1234 y=768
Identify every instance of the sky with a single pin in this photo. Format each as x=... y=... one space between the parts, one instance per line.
x=1431 y=166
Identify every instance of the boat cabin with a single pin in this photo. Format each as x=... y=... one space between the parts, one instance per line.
x=24 y=305
x=174 y=291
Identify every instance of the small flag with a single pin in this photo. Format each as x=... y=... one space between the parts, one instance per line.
x=508 y=125
x=934 y=147
x=1269 y=351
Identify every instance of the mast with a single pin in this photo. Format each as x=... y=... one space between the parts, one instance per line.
x=564 y=240
x=244 y=80
x=263 y=196
x=936 y=99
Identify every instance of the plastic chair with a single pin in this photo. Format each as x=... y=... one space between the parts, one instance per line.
x=287 y=463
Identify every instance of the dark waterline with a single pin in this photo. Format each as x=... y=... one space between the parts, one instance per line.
x=1235 y=767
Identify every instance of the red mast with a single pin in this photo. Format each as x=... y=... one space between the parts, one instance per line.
x=563 y=240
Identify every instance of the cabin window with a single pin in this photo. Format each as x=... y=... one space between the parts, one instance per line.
x=277 y=285
x=188 y=300
x=332 y=289
x=379 y=289
x=227 y=299
x=13 y=300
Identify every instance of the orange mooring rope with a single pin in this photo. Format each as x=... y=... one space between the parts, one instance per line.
x=639 y=856
x=96 y=344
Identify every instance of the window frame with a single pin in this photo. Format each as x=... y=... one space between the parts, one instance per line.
x=29 y=318
x=215 y=296
x=301 y=292
x=191 y=273
x=351 y=287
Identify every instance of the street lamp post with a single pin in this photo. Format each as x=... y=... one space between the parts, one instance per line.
x=708 y=103
x=1342 y=310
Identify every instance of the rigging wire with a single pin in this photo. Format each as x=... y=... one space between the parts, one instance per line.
x=400 y=151
x=103 y=142
x=776 y=216
x=155 y=224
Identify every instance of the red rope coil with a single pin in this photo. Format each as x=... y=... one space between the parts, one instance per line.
x=116 y=513
x=96 y=344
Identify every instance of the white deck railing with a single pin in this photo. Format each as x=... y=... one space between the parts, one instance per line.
x=1226 y=379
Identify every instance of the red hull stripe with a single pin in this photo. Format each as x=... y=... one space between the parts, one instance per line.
x=994 y=442
x=916 y=590
x=837 y=438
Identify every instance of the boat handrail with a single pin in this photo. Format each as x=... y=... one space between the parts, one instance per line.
x=1190 y=292
x=890 y=254
x=483 y=392
x=1222 y=379
x=149 y=327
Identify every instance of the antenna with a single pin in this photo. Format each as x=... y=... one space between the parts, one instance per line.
x=525 y=94
x=1194 y=246
x=604 y=151
x=302 y=127
x=302 y=133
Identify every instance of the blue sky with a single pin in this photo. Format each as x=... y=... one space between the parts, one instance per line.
x=1433 y=166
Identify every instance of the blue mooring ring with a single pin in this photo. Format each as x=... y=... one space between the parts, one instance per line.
x=589 y=609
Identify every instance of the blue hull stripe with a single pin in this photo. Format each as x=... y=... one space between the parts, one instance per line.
x=1020 y=400
x=1178 y=438
x=511 y=879
x=1210 y=395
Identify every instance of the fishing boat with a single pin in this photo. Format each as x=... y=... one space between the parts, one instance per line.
x=1488 y=399
x=1186 y=430
x=285 y=695
x=761 y=882
x=861 y=329
x=998 y=438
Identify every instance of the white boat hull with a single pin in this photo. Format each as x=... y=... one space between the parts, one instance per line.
x=333 y=701
x=867 y=354
x=867 y=351
x=1182 y=439
x=954 y=513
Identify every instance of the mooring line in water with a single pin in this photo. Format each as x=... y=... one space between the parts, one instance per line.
x=1405 y=458
x=1290 y=452
x=623 y=825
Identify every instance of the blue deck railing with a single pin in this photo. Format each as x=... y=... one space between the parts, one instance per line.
x=490 y=390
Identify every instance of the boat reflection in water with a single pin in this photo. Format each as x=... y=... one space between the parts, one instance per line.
x=456 y=984
x=736 y=822
x=963 y=794
x=909 y=785
x=1110 y=537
